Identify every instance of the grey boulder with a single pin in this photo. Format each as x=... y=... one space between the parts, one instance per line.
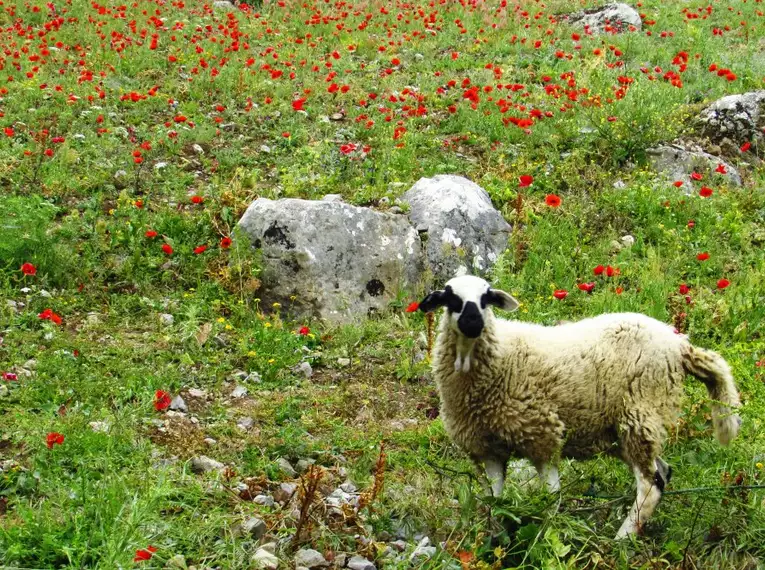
x=609 y=18
x=677 y=163
x=465 y=233
x=330 y=259
x=739 y=118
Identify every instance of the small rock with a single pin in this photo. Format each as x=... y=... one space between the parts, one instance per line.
x=121 y=179
x=265 y=148
x=178 y=405
x=419 y=57
x=310 y=558
x=197 y=393
x=166 y=319
x=202 y=464
x=344 y=362
x=340 y=560
x=265 y=560
x=102 y=427
x=12 y=304
x=197 y=149
x=254 y=528
x=160 y=165
x=620 y=185
x=303 y=465
x=239 y=392
x=360 y=563
x=254 y=377
x=4 y=391
x=304 y=368
x=245 y=424
x=286 y=467
x=349 y=487
x=628 y=241
x=210 y=441
x=284 y=492
x=423 y=551
x=177 y=561
x=399 y=545
x=265 y=500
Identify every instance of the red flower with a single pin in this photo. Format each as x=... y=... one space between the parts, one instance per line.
x=721 y=169
x=696 y=176
x=200 y=249
x=599 y=270
x=297 y=104
x=28 y=269
x=304 y=331
x=611 y=271
x=10 y=376
x=197 y=199
x=144 y=554
x=677 y=183
x=722 y=283
x=560 y=294
x=54 y=438
x=9 y=131
x=161 y=400
x=684 y=289
x=702 y=256
x=553 y=200
x=167 y=248
x=225 y=242
x=691 y=224
x=49 y=315
x=413 y=306
x=138 y=204
x=746 y=146
x=586 y=287
x=619 y=290
x=525 y=180
x=151 y=234
x=705 y=192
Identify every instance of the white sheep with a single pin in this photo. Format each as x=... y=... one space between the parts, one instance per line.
x=604 y=384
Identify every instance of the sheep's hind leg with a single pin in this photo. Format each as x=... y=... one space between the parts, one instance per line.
x=495 y=473
x=649 y=490
x=549 y=472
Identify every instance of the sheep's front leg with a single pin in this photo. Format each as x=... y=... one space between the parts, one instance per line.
x=495 y=473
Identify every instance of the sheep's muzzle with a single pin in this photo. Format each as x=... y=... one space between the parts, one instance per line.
x=470 y=322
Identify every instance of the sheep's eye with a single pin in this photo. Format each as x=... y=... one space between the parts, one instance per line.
x=453 y=302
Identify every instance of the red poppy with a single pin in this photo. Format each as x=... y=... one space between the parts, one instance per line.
x=54 y=438
x=684 y=289
x=144 y=554
x=10 y=376
x=297 y=104
x=677 y=183
x=691 y=224
x=696 y=176
x=49 y=315
x=161 y=400
x=553 y=200
x=560 y=294
x=151 y=234
x=599 y=270
x=721 y=169
x=197 y=199
x=525 y=180
x=611 y=271
x=746 y=146
x=413 y=306
x=722 y=283
x=705 y=192
x=167 y=248
x=28 y=269
x=702 y=256
x=225 y=242
x=619 y=290
x=586 y=287
x=200 y=249
x=9 y=131
x=304 y=331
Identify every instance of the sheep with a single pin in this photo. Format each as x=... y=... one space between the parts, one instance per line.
x=610 y=384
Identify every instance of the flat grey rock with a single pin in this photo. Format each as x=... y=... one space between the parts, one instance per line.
x=310 y=558
x=739 y=118
x=678 y=162
x=614 y=17
x=332 y=260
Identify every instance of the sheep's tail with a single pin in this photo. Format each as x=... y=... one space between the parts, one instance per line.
x=714 y=372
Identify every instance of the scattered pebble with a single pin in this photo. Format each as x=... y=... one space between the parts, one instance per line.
x=310 y=558
x=178 y=405
x=102 y=427
x=423 y=551
x=284 y=492
x=253 y=527
x=264 y=500
x=245 y=424
x=202 y=464
x=286 y=467
x=166 y=319
x=303 y=465
x=197 y=393
x=239 y=392
x=360 y=563
x=264 y=560
x=343 y=362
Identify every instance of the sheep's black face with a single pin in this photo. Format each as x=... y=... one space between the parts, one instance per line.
x=466 y=299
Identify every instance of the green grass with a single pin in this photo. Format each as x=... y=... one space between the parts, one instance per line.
x=96 y=499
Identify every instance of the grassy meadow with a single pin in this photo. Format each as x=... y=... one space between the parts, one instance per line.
x=133 y=137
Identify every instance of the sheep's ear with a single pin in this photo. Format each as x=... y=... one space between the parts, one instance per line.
x=501 y=300
x=433 y=301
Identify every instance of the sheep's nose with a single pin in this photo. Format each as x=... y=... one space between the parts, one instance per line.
x=470 y=322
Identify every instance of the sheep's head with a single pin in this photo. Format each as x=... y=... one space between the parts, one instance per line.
x=466 y=300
